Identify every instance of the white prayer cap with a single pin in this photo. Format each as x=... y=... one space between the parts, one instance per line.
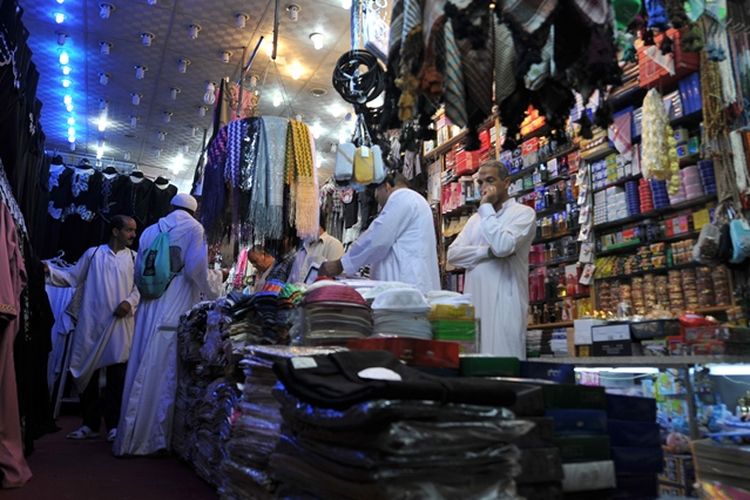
x=182 y=200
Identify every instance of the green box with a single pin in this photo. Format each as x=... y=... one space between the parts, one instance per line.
x=583 y=448
x=490 y=366
x=454 y=329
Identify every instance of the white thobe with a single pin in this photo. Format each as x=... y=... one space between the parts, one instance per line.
x=100 y=338
x=148 y=399
x=321 y=249
x=498 y=285
x=400 y=244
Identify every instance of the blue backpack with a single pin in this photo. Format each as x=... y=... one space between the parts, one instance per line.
x=154 y=271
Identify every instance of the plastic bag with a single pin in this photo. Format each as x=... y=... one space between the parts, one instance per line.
x=739 y=230
x=706 y=249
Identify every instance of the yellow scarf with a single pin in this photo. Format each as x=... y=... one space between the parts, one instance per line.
x=300 y=177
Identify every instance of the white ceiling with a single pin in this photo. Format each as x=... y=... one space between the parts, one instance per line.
x=169 y=20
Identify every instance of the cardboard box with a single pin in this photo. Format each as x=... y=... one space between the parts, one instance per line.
x=582 y=329
x=610 y=332
x=613 y=348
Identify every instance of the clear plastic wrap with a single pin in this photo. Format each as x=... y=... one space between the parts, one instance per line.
x=706 y=249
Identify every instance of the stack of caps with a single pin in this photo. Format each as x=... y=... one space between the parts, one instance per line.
x=659 y=194
x=632 y=197
x=706 y=168
x=681 y=194
x=644 y=192
x=691 y=179
x=402 y=312
x=335 y=313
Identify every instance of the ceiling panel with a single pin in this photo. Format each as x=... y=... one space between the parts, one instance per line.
x=168 y=20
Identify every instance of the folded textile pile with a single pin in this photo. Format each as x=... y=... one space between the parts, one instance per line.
x=256 y=426
x=205 y=397
x=402 y=312
x=363 y=425
x=263 y=318
x=335 y=313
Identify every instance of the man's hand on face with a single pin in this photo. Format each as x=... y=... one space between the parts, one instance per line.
x=123 y=309
x=489 y=195
x=331 y=268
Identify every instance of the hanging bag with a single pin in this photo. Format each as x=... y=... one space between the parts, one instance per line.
x=739 y=231
x=155 y=271
x=364 y=158
x=344 y=169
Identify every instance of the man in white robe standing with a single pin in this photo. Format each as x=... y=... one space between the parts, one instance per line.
x=399 y=245
x=150 y=384
x=104 y=332
x=494 y=249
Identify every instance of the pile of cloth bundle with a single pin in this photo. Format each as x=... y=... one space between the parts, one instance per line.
x=264 y=317
x=401 y=311
x=334 y=313
x=205 y=396
x=360 y=424
x=256 y=426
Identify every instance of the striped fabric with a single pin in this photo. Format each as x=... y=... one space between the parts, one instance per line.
x=530 y=15
x=598 y=11
x=397 y=24
x=412 y=17
x=453 y=93
x=505 y=61
x=477 y=65
x=236 y=131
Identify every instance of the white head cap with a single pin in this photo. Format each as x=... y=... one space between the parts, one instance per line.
x=182 y=200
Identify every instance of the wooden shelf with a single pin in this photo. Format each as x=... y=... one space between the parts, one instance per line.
x=569 y=232
x=557 y=262
x=530 y=169
x=619 y=182
x=637 y=244
x=702 y=200
x=447 y=145
x=666 y=361
x=558 y=299
x=661 y=270
x=549 y=326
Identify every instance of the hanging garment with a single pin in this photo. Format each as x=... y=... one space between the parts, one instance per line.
x=148 y=399
x=530 y=15
x=301 y=179
x=13 y=467
x=400 y=244
x=100 y=338
x=275 y=132
x=214 y=188
x=59 y=299
x=499 y=286
x=82 y=225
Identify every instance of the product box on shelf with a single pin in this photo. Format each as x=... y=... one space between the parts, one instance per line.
x=610 y=332
x=554 y=372
x=582 y=329
x=413 y=352
x=652 y=73
x=612 y=348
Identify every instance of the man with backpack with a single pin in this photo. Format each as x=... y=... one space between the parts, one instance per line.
x=172 y=275
x=104 y=306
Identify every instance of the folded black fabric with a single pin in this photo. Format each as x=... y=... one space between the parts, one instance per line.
x=336 y=381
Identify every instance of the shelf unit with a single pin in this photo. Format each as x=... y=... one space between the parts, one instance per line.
x=671 y=209
x=654 y=361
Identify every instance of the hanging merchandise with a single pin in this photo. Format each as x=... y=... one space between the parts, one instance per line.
x=358 y=86
x=659 y=148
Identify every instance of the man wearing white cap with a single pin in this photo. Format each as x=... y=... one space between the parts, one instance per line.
x=148 y=399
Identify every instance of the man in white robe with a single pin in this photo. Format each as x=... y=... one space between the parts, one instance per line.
x=104 y=331
x=399 y=245
x=313 y=252
x=494 y=249
x=150 y=384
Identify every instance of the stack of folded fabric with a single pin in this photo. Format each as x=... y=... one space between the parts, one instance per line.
x=256 y=426
x=401 y=312
x=333 y=314
x=205 y=399
x=363 y=425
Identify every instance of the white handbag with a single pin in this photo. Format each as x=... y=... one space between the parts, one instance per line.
x=344 y=168
x=378 y=165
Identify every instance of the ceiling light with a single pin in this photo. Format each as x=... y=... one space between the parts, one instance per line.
x=105 y=10
x=296 y=70
x=103 y=105
x=182 y=65
x=135 y=98
x=317 y=40
x=61 y=2
x=67 y=100
x=104 y=78
x=347 y=4
x=269 y=45
x=64 y=58
x=195 y=131
x=293 y=12
x=59 y=17
x=61 y=38
x=277 y=99
x=133 y=121
x=167 y=116
x=316 y=130
x=240 y=20
x=140 y=72
x=253 y=81
x=202 y=110
x=162 y=136
x=174 y=92
x=105 y=48
x=210 y=96
x=102 y=123
x=71 y=131
x=147 y=39
x=71 y=139
x=336 y=110
x=193 y=31
x=69 y=107
x=66 y=83
x=225 y=56
x=71 y=121
x=178 y=164
x=66 y=70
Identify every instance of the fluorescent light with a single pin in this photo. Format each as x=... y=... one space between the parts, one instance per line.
x=61 y=2
x=68 y=100
x=69 y=107
x=296 y=70
x=71 y=121
x=102 y=123
x=317 y=40
x=59 y=17
x=178 y=164
x=621 y=369
x=277 y=99
x=71 y=139
x=728 y=370
x=71 y=131
x=64 y=58
x=336 y=110
x=66 y=70
x=66 y=83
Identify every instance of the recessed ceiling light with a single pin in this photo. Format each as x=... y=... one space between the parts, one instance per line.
x=105 y=48
x=296 y=70
x=66 y=83
x=182 y=65
x=240 y=20
x=292 y=11
x=61 y=38
x=59 y=17
x=147 y=39
x=64 y=58
x=105 y=10
x=193 y=31
x=318 y=92
x=317 y=40
x=66 y=70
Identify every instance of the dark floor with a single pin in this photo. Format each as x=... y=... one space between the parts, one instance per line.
x=86 y=470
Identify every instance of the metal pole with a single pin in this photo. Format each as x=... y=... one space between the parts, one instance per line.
x=275 y=30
